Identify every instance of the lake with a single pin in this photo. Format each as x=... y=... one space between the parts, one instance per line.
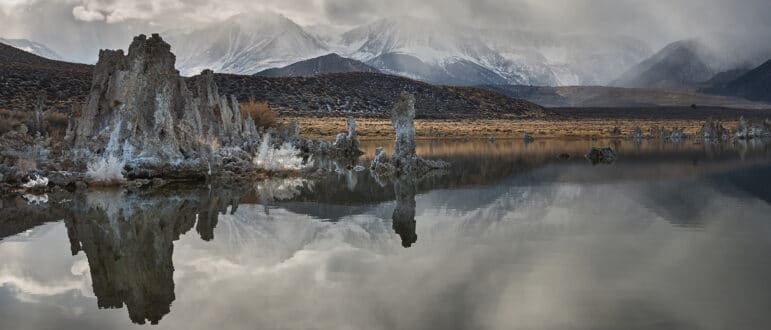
x=512 y=236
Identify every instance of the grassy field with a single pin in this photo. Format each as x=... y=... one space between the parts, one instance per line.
x=376 y=129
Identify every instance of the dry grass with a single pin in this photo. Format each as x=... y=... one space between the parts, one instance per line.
x=376 y=129
x=26 y=165
x=53 y=124
x=9 y=120
x=261 y=113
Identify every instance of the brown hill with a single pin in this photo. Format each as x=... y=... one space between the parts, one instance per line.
x=24 y=77
x=373 y=94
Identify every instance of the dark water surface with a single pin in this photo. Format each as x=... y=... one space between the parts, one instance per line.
x=671 y=236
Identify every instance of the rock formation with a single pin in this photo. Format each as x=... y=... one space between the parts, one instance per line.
x=636 y=135
x=601 y=155
x=748 y=131
x=404 y=160
x=141 y=111
x=347 y=144
x=713 y=131
x=527 y=138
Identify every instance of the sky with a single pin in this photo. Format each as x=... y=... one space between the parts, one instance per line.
x=76 y=27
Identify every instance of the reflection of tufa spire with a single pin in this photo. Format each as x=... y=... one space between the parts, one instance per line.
x=404 y=213
x=128 y=241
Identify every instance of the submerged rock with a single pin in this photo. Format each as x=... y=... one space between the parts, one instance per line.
x=141 y=111
x=713 y=131
x=601 y=155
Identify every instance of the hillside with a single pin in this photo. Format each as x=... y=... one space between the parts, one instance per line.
x=373 y=94
x=32 y=47
x=597 y=96
x=25 y=76
x=331 y=63
x=753 y=85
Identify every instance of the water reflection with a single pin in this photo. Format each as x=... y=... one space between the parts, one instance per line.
x=668 y=237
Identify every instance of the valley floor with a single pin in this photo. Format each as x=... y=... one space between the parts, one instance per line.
x=576 y=123
x=377 y=129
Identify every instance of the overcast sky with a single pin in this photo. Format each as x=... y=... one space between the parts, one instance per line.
x=69 y=26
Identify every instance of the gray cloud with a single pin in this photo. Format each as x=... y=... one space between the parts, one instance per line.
x=725 y=23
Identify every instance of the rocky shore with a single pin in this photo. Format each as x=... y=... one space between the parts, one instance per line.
x=144 y=125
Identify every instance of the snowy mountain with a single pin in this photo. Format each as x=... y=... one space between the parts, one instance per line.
x=244 y=44
x=576 y=59
x=681 y=65
x=431 y=51
x=32 y=47
x=438 y=53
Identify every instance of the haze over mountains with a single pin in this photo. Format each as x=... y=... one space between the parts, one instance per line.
x=425 y=50
x=440 y=52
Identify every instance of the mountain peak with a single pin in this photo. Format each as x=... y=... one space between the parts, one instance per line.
x=330 y=63
x=682 y=65
x=245 y=44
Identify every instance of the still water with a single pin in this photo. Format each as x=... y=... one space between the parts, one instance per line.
x=671 y=236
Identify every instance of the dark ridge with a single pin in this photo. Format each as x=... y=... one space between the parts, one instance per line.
x=753 y=85
x=331 y=63
x=373 y=94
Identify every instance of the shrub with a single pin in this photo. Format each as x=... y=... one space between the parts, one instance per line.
x=106 y=171
x=55 y=124
x=10 y=119
x=261 y=113
x=26 y=165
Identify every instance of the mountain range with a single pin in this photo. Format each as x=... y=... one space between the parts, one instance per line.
x=243 y=45
x=429 y=51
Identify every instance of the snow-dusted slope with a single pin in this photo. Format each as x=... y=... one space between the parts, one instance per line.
x=32 y=47
x=244 y=44
x=682 y=65
x=439 y=53
x=432 y=51
x=576 y=59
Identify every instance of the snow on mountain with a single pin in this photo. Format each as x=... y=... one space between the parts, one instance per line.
x=576 y=59
x=244 y=44
x=431 y=51
x=438 y=53
x=32 y=47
